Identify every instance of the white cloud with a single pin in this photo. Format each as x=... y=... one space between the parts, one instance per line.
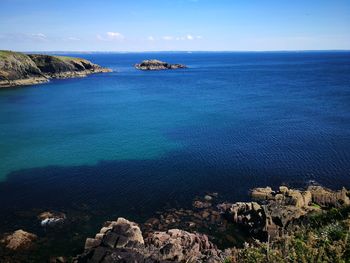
x=167 y=38
x=182 y=38
x=73 y=38
x=115 y=35
x=151 y=38
x=39 y=36
x=109 y=36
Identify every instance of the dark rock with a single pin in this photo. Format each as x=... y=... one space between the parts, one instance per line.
x=200 y=205
x=58 y=260
x=250 y=214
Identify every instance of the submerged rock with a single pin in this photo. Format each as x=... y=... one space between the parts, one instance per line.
x=51 y=218
x=154 y=64
x=208 y=198
x=19 y=240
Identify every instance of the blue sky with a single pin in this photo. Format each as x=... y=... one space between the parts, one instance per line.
x=158 y=25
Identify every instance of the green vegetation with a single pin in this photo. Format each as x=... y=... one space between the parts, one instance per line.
x=6 y=54
x=323 y=238
x=65 y=58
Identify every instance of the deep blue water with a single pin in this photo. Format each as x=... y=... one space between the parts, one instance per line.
x=129 y=143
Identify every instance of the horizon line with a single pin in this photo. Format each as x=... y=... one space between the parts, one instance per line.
x=182 y=51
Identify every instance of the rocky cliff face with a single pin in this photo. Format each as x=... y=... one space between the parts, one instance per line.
x=154 y=64
x=21 y=69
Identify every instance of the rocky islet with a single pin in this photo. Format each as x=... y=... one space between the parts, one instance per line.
x=154 y=64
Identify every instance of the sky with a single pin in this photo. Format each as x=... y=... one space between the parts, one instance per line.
x=174 y=25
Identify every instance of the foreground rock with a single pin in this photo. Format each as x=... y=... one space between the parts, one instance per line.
x=21 y=69
x=154 y=64
x=122 y=241
x=325 y=197
x=19 y=240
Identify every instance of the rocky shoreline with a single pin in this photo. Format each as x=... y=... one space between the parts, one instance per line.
x=19 y=69
x=271 y=216
x=209 y=231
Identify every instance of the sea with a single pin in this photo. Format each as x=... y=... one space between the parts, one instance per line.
x=131 y=143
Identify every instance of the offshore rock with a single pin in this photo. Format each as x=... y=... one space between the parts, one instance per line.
x=154 y=64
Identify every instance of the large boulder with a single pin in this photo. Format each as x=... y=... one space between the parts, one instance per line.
x=117 y=234
x=122 y=241
x=19 y=240
x=328 y=198
x=181 y=246
x=261 y=193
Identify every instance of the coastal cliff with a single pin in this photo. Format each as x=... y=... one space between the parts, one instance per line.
x=21 y=69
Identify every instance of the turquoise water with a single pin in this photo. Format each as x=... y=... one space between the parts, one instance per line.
x=84 y=121
x=129 y=142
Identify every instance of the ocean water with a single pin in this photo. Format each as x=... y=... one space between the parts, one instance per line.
x=130 y=142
